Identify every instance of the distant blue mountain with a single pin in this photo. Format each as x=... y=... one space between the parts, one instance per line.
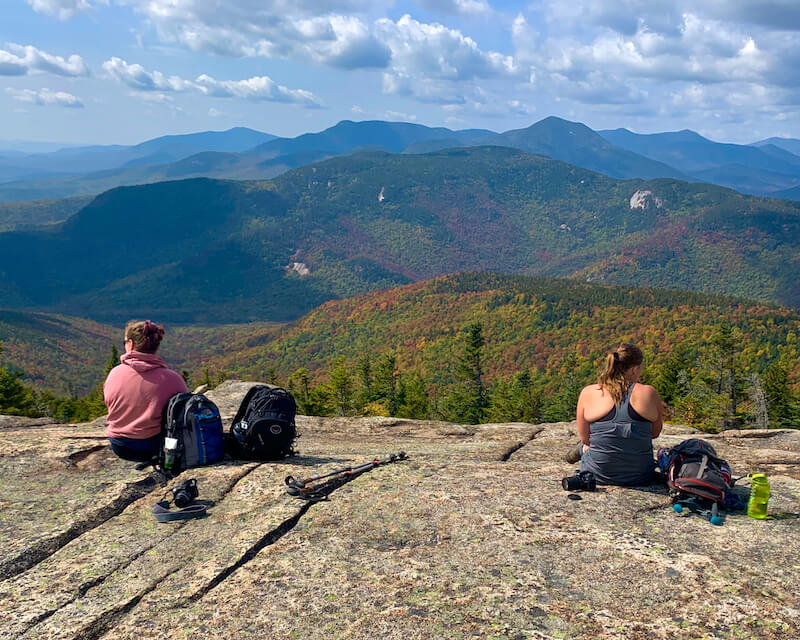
x=76 y=160
x=792 y=145
x=347 y=135
x=577 y=144
x=789 y=194
x=747 y=168
x=766 y=168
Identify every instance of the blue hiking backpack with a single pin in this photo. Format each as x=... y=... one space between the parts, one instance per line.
x=193 y=434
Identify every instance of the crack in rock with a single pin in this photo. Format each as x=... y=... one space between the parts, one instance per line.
x=42 y=550
x=74 y=458
x=271 y=537
x=109 y=619
x=86 y=586
x=513 y=449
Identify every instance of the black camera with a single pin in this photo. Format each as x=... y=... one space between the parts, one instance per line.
x=185 y=493
x=581 y=481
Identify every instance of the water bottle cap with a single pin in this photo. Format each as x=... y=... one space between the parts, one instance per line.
x=758 y=475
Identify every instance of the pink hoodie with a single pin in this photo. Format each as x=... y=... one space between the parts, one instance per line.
x=136 y=393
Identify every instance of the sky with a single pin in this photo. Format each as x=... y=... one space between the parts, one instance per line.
x=123 y=71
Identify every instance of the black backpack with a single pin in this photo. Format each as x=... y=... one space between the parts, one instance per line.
x=192 y=423
x=694 y=469
x=263 y=427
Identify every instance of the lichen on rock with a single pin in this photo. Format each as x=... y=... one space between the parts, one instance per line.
x=471 y=537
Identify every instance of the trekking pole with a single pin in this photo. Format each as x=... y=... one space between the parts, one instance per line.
x=306 y=490
x=291 y=481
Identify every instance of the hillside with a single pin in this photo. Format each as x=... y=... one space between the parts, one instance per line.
x=471 y=537
x=200 y=251
x=67 y=355
x=26 y=215
x=528 y=323
x=61 y=354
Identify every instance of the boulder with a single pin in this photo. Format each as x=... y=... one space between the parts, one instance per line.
x=471 y=537
x=644 y=199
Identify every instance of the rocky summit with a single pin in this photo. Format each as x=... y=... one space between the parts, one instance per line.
x=471 y=537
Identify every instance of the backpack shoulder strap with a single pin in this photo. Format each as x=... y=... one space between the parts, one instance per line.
x=245 y=401
x=173 y=410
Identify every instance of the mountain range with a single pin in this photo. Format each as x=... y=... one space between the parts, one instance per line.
x=768 y=167
x=202 y=250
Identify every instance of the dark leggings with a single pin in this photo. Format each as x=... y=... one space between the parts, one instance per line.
x=135 y=450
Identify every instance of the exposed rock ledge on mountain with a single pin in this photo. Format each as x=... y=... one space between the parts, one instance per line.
x=472 y=537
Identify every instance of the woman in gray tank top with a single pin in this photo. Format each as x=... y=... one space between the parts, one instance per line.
x=617 y=420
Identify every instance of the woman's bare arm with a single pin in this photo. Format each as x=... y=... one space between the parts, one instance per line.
x=654 y=400
x=583 y=424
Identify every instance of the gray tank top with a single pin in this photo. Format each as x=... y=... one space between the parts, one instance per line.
x=621 y=450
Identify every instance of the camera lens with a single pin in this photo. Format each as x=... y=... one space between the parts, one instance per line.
x=182 y=499
x=571 y=483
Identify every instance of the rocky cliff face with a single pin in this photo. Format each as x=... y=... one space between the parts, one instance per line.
x=472 y=537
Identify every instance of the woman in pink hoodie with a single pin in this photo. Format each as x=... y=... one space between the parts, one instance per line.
x=136 y=393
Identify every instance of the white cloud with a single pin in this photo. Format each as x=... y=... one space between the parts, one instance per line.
x=325 y=35
x=261 y=88
x=215 y=113
x=257 y=88
x=600 y=88
x=136 y=77
x=19 y=60
x=437 y=64
x=488 y=105
x=777 y=14
x=435 y=51
x=399 y=116
x=453 y=7
x=62 y=9
x=318 y=32
x=45 y=97
x=154 y=98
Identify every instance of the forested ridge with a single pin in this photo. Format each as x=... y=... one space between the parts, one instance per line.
x=475 y=347
x=701 y=350
x=208 y=251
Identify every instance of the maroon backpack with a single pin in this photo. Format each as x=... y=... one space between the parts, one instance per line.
x=693 y=468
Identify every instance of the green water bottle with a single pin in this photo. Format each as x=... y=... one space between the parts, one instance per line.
x=759 y=496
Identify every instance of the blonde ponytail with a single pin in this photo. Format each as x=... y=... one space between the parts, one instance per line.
x=618 y=362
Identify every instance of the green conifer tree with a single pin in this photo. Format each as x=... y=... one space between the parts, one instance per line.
x=670 y=376
x=783 y=406
x=414 y=402
x=15 y=398
x=113 y=361
x=365 y=391
x=341 y=386
x=469 y=401
x=386 y=382
x=730 y=381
